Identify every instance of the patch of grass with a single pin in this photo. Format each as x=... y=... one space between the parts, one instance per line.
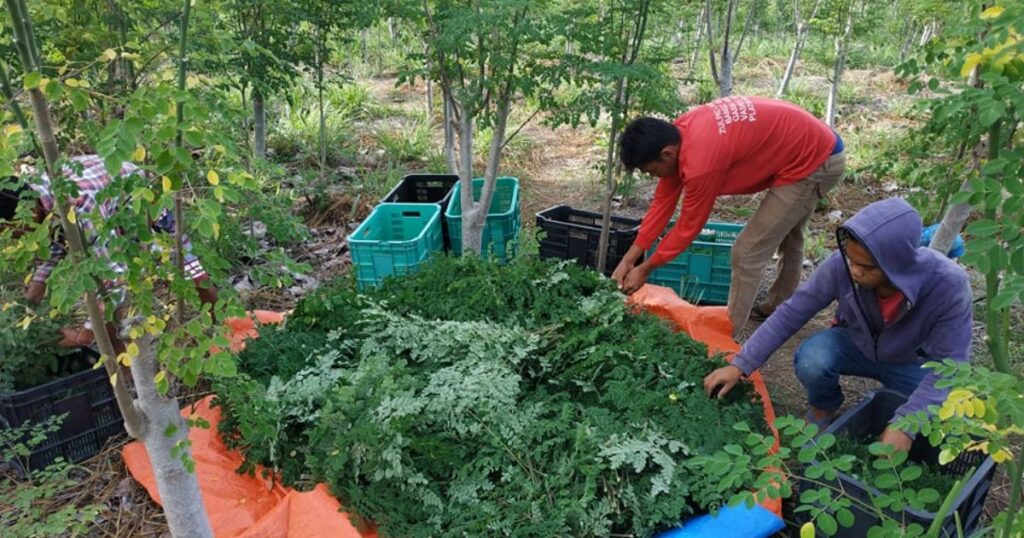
x=405 y=142
x=375 y=183
x=801 y=95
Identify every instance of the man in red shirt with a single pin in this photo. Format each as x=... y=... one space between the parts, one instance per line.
x=734 y=145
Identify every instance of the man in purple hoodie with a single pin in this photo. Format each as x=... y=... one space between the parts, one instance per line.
x=900 y=305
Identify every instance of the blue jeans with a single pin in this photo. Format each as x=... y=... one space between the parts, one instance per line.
x=823 y=357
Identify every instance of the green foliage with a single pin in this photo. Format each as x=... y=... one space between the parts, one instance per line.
x=28 y=354
x=811 y=461
x=930 y=482
x=33 y=507
x=476 y=399
x=279 y=351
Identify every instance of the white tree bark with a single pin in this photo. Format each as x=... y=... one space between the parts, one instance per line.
x=472 y=228
x=449 y=131
x=839 y=66
x=700 y=36
x=927 y=33
x=907 y=40
x=798 y=46
x=725 y=74
x=259 y=113
x=179 y=489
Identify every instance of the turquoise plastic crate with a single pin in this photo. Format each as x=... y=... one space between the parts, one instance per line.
x=501 y=230
x=702 y=272
x=394 y=240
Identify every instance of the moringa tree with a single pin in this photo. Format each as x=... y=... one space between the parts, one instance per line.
x=483 y=54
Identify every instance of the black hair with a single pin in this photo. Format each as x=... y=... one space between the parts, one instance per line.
x=644 y=138
x=9 y=197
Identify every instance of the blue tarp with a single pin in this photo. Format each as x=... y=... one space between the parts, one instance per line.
x=738 y=522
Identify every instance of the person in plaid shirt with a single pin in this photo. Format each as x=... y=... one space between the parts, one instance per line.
x=91 y=177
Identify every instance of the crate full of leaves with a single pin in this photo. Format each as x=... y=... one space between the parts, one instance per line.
x=476 y=399
x=39 y=380
x=921 y=481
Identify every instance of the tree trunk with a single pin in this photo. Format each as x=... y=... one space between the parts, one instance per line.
x=711 y=41
x=320 y=101
x=837 y=70
x=801 y=39
x=472 y=226
x=952 y=222
x=725 y=82
x=609 y=179
x=927 y=33
x=430 y=101
x=697 y=42
x=905 y=47
x=259 y=114
x=448 y=117
x=179 y=489
x=483 y=206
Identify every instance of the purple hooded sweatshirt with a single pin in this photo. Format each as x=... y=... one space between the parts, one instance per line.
x=933 y=322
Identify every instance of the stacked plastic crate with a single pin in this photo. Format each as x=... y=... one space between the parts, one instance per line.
x=422 y=215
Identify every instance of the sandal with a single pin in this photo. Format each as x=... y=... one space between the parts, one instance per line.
x=761 y=312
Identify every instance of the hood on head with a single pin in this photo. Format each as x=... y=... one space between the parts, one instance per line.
x=891 y=231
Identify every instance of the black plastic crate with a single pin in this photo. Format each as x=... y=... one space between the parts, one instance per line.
x=425 y=189
x=92 y=413
x=868 y=419
x=574 y=234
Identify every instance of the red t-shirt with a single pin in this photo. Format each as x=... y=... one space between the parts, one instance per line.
x=890 y=306
x=734 y=145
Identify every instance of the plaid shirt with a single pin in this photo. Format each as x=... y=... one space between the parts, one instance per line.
x=91 y=181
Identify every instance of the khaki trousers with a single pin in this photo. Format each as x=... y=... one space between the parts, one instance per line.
x=778 y=224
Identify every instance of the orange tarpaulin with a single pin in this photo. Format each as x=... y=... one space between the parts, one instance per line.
x=241 y=506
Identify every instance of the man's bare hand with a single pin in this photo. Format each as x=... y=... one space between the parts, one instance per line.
x=722 y=380
x=35 y=292
x=635 y=279
x=899 y=440
x=620 y=272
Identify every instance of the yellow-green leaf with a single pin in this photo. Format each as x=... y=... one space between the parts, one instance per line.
x=945 y=456
x=218 y=193
x=992 y=12
x=973 y=59
x=979 y=408
x=1002 y=455
x=807 y=530
x=212 y=177
x=25 y=322
x=108 y=55
x=113 y=379
x=167 y=184
x=72 y=218
x=946 y=411
x=139 y=154
x=133 y=349
x=11 y=128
